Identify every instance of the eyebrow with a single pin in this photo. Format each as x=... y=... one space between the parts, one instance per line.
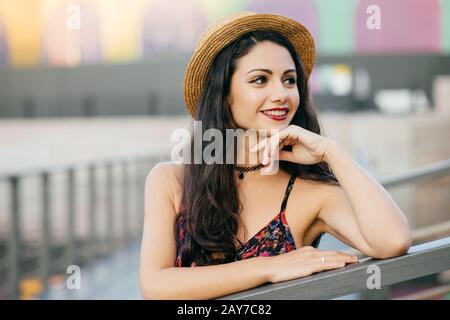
x=270 y=71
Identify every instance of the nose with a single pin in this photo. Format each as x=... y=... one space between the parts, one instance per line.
x=279 y=94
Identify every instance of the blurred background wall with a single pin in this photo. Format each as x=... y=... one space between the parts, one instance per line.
x=107 y=57
x=103 y=79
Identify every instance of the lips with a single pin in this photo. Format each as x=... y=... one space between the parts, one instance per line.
x=278 y=114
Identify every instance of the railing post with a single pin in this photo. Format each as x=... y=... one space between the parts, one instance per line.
x=125 y=202
x=14 y=252
x=110 y=206
x=70 y=253
x=140 y=185
x=92 y=243
x=46 y=228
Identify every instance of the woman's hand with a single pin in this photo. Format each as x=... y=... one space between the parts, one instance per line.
x=307 y=147
x=304 y=262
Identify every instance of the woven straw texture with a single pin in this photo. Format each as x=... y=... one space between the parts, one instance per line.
x=230 y=28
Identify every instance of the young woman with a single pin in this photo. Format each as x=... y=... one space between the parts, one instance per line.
x=213 y=229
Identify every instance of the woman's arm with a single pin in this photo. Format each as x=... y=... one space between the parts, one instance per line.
x=205 y=282
x=159 y=278
x=361 y=212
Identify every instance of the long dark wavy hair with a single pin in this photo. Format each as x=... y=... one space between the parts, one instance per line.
x=210 y=206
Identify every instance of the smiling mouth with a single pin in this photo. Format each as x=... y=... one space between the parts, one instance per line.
x=277 y=114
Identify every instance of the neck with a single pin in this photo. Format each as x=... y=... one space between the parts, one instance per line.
x=243 y=157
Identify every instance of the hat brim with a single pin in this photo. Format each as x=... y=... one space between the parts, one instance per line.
x=230 y=28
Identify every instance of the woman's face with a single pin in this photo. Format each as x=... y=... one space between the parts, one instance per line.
x=265 y=78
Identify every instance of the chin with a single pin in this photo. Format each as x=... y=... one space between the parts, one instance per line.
x=281 y=125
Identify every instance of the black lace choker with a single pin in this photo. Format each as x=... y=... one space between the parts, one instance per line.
x=247 y=169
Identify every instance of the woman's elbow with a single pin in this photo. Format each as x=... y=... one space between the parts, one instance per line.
x=157 y=288
x=152 y=293
x=149 y=288
x=148 y=294
x=147 y=291
x=395 y=248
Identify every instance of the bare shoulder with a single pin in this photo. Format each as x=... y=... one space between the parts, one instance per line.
x=308 y=198
x=167 y=177
x=328 y=194
x=166 y=173
x=307 y=194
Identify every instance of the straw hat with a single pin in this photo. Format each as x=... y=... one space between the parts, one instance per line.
x=230 y=28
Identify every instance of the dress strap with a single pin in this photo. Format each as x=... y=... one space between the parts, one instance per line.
x=288 y=191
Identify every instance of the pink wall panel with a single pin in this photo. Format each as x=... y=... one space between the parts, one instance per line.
x=407 y=26
x=303 y=11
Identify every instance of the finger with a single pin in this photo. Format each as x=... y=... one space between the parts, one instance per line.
x=274 y=144
x=272 y=147
x=265 y=156
x=263 y=160
x=259 y=145
x=291 y=135
x=256 y=147
x=327 y=266
x=286 y=155
x=329 y=259
x=338 y=258
x=333 y=253
x=288 y=140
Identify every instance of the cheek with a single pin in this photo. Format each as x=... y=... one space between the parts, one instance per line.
x=247 y=103
x=294 y=99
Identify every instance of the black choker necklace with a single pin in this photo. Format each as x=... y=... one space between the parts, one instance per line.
x=247 y=169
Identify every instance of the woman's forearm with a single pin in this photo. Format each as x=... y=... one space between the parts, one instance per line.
x=205 y=282
x=380 y=220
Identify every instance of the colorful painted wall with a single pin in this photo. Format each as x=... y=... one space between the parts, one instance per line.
x=74 y=32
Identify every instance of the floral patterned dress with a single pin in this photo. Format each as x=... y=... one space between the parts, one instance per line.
x=273 y=239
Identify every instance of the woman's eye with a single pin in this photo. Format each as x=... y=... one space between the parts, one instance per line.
x=291 y=80
x=259 y=80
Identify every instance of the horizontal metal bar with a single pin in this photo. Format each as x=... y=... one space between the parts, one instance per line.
x=426 y=294
x=431 y=232
x=421 y=260
x=424 y=173
x=421 y=235
x=33 y=171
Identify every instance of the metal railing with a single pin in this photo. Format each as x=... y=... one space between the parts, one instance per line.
x=421 y=260
x=79 y=250
x=123 y=178
x=427 y=172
